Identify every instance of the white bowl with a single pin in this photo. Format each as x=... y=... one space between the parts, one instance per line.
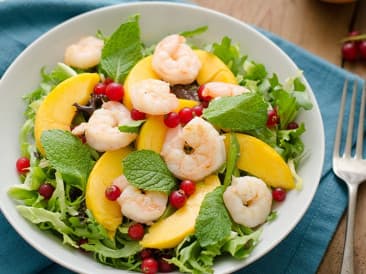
x=156 y=21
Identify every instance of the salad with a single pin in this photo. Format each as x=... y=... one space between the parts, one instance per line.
x=162 y=157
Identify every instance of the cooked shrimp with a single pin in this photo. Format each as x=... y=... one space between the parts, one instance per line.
x=86 y=53
x=194 y=151
x=248 y=200
x=140 y=206
x=153 y=97
x=101 y=131
x=219 y=89
x=174 y=61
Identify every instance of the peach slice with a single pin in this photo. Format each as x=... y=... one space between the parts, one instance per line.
x=56 y=110
x=261 y=160
x=169 y=232
x=107 y=168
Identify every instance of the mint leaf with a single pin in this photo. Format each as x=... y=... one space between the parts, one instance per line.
x=145 y=169
x=213 y=223
x=131 y=127
x=68 y=155
x=233 y=156
x=122 y=50
x=244 y=112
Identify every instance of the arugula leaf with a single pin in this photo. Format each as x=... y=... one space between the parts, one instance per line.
x=145 y=169
x=247 y=111
x=230 y=55
x=122 y=50
x=213 y=223
x=68 y=155
x=191 y=33
x=254 y=71
x=298 y=85
x=287 y=107
x=131 y=127
x=233 y=156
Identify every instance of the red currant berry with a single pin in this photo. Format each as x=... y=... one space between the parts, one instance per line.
x=137 y=115
x=112 y=192
x=362 y=49
x=22 y=165
x=205 y=104
x=197 y=110
x=185 y=115
x=177 y=198
x=100 y=88
x=292 y=125
x=114 y=91
x=164 y=266
x=46 y=190
x=108 y=80
x=149 y=266
x=349 y=51
x=171 y=120
x=81 y=242
x=279 y=194
x=354 y=33
x=136 y=231
x=146 y=253
x=188 y=186
x=201 y=96
x=272 y=118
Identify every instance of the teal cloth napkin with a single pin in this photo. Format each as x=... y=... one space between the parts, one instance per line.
x=21 y=22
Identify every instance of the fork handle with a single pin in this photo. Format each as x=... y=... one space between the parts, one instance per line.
x=347 y=263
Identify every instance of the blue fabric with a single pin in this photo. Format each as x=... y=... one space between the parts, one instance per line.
x=21 y=22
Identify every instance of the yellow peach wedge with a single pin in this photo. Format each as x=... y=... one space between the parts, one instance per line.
x=56 y=110
x=107 y=168
x=213 y=69
x=261 y=160
x=169 y=232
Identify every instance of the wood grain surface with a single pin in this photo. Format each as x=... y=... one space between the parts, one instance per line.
x=317 y=27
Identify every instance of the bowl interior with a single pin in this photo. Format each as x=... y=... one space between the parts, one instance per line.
x=49 y=49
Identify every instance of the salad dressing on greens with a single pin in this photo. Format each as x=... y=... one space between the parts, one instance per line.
x=112 y=158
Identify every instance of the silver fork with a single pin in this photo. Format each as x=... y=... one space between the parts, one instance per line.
x=350 y=168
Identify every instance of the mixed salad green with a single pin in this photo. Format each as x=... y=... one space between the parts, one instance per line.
x=70 y=161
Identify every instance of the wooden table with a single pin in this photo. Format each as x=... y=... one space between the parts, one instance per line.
x=318 y=27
